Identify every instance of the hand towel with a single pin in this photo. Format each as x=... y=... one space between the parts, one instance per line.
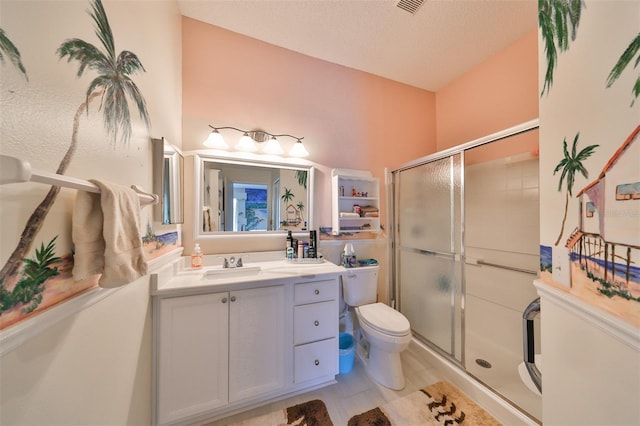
x=106 y=235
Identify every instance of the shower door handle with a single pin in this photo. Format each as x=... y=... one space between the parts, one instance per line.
x=530 y=312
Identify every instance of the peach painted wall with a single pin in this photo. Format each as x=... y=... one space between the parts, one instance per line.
x=349 y=119
x=497 y=94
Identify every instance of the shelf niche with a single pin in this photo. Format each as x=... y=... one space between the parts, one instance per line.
x=355 y=203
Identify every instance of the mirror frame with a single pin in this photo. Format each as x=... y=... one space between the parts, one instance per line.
x=168 y=182
x=200 y=159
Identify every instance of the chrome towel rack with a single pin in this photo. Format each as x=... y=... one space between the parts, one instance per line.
x=15 y=170
x=509 y=268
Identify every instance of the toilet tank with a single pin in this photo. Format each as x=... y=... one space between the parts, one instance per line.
x=360 y=285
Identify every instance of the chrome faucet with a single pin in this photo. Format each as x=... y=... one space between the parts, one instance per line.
x=232 y=263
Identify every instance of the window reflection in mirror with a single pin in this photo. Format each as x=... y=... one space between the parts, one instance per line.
x=254 y=197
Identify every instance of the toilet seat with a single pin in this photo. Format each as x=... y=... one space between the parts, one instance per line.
x=384 y=319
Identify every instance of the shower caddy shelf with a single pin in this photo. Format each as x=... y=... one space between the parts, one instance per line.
x=15 y=170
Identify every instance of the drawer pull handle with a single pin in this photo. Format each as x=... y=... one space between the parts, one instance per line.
x=316 y=323
x=317 y=292
x=233 y=298
x=316 y=362
x=224 y=300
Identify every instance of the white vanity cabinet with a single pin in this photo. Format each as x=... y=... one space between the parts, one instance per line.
x=220 y=348
x=222 y=345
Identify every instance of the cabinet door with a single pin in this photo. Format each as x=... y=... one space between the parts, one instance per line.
x=192 y=355
x=257 y=341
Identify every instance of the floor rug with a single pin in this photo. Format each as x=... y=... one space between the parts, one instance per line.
x=438 y=404
x=310 y=413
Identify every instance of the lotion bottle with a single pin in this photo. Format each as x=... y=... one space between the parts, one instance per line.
x=197 y=257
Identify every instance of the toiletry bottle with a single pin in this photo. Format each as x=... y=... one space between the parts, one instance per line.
x=349 y=256
x=289 y=245
x=313 y=242
x=197 y=257
x=300 y=249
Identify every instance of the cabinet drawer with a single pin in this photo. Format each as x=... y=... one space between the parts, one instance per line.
x=315 y=322
x=317 y=291
x=315 y=360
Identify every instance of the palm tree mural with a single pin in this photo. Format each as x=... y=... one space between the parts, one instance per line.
x=301 y=176
x=7 y=48
x=300 y=207
x=569 y=165
x=287 y=196
x=558 y=21
x=631 y=51
x=114 y=87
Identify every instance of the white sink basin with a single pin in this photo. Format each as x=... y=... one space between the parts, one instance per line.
x=219 y=271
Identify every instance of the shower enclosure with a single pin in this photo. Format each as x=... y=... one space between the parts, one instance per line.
x=466 y=244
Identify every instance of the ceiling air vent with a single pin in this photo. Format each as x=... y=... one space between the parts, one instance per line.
x=410 y=6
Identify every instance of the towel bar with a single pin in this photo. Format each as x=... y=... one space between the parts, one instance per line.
x=14 y=170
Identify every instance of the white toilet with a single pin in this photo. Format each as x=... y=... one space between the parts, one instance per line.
x=384 y=331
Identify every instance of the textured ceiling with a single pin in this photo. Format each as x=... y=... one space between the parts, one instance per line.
x=428 y=49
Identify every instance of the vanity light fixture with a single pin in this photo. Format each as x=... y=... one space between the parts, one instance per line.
x=250 y=140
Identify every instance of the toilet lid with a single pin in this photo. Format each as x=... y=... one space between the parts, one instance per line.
x=385 y=319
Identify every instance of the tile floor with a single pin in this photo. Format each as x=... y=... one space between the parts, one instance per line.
x=355 y=392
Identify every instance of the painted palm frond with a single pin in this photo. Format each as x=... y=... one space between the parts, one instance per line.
x=7 y=48
x=569 y=166
x=103 y=29
x=87 y=55
x=301 y=176
x=627 y=56
x=113 y=80
x=558 y=21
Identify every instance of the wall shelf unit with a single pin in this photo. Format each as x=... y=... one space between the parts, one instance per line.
x=355 y=203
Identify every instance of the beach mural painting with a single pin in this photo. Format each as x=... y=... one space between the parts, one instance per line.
x=595 y=254
x=31 y=285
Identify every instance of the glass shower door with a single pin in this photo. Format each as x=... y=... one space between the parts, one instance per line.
x=427 y=203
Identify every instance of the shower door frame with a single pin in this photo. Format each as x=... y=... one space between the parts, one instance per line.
x=394 y=270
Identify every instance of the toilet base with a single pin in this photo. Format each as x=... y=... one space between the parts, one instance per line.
x=383 y=367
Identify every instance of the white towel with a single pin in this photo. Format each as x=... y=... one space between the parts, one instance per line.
x=107 y=236
x=349 y=214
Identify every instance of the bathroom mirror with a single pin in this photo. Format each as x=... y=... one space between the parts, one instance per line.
x=252 y=197
x=168 y=169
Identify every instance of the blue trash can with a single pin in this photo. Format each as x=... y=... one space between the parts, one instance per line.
x=347 y=352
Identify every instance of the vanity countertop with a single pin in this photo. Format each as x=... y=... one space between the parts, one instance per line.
x=177 y=280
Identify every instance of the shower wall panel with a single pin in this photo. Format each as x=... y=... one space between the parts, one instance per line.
x=502 y=229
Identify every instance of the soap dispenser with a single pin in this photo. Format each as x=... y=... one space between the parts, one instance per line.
x=197 y=257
